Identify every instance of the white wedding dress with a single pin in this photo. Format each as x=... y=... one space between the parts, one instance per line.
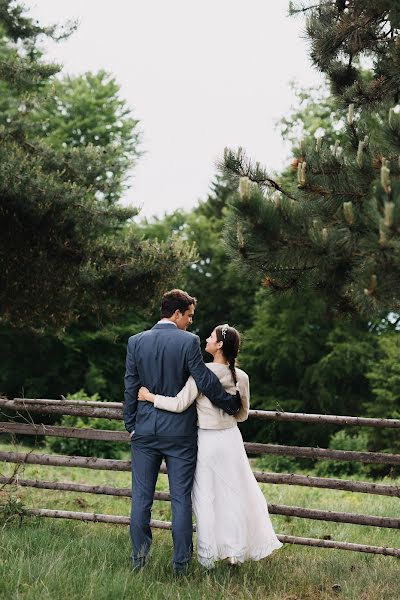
x=231 y=512
x=230 y=508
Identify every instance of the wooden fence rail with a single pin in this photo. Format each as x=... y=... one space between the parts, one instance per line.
x=251 y=448
x=285 y=539
x=275 y=509
x=114 y=411
x=109 y=464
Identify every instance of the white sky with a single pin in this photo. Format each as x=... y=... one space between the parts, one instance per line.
x=199 y=76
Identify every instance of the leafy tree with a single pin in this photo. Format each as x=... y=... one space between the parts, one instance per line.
x=301 y=359
x=87 y=110
x=66 y=247
x=314 y=114
x=338 y=381
x=335 y=227
x=224 y=294
x=85 y=356
x=91 y=357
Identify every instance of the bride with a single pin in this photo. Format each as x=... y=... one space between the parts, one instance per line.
x=231 y=512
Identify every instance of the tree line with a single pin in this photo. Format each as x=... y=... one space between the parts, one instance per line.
x=79 y=274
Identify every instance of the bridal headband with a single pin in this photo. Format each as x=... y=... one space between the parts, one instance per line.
x=224 y=329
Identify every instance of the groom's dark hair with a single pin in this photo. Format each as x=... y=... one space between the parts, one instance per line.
x=175 y=300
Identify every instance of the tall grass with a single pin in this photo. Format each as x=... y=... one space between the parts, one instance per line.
x=54 y=559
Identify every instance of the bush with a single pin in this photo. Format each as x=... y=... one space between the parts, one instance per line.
x=323 y=468
x=281 y=464
x=344 y=441
x=77 y=447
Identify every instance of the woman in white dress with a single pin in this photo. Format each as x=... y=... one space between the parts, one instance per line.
x=231 y=512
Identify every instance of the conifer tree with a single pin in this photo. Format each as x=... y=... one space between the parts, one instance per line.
x=384 y=376
x=335 y=228
x=66 y=247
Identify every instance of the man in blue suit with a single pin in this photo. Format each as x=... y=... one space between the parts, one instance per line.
x=162 y=359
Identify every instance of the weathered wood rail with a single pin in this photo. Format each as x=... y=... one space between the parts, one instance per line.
x=113 y=410
x=275 y=509
x=24 y=406
x=109 y=464
x=251 y=448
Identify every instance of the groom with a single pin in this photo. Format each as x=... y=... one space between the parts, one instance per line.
x=162 y=359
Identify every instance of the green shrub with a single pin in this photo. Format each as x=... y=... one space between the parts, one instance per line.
x=281 y=464
x=342 y=440
x=77 y=447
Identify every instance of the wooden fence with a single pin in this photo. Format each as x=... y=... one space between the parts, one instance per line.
x=113 y=410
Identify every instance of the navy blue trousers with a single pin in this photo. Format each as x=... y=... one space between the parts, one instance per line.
x=180 y=454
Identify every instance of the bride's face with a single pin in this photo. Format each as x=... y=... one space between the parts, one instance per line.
x=213 y=345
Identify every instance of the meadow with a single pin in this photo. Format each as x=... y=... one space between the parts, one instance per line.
x=51 y=559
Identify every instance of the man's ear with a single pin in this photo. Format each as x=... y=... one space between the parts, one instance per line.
x=177 y=315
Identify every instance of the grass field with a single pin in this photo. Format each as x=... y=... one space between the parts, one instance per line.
x=55 y=559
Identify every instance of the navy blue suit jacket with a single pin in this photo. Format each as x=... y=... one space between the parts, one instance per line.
x=162 y=359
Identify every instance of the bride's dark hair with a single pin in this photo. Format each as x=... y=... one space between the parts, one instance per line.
x=230 y=338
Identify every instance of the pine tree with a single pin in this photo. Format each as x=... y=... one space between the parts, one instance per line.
x=335 y=228
x=384 y=376
x=67 y=249
x=222 y=295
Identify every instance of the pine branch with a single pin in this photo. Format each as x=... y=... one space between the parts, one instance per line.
x=238 y=164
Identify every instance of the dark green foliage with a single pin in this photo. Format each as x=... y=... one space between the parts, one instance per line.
x=301 y=359
x=85 y=357
x=224 y=293
x=281 y=464
x=384 y=378
x=34 y=365
x=340 y=37
x=338 y=380
x=91 y=357
x=63 y=175
x=67 y=249
x=334 y=225
x=78 y=447
x=344 y=440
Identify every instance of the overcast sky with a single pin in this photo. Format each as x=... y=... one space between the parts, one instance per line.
x=199 y=77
